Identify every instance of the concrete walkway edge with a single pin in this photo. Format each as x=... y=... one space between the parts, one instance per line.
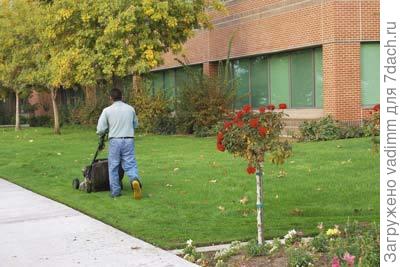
x=37 y=231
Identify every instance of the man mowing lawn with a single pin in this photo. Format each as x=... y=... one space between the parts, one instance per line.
x=120 y=121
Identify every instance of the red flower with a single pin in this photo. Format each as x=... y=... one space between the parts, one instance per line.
x=251 y=170
x=262 y=130
x=246 y=108
x=282 y=106
x=271 y=107
x=220 y=147
x=240 y=124
x=261 y=109
x=227 y=124
x=220 y=136
x=377 y=107
x=239 y=115
x=253 y=123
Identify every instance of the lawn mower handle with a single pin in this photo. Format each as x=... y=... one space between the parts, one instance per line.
x=101 y=145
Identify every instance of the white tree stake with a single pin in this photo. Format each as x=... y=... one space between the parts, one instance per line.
x=260 y=206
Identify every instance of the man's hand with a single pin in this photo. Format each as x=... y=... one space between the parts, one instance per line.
x=102 y=141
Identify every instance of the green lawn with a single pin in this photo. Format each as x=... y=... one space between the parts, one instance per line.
x=326 y=182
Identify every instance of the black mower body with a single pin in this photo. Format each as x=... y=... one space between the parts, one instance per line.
x=97 y=175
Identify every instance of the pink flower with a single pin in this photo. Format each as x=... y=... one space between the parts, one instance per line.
x=349 y=259
x=335 y=262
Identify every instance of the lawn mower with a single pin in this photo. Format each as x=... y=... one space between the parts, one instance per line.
x=96 y=174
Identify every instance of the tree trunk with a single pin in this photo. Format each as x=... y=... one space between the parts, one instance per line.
x=53 y=92
x=90 y=95
x=260 y=206
x=17 y=119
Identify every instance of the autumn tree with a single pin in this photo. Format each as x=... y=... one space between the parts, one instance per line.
x=18 y=46
x=91 y=41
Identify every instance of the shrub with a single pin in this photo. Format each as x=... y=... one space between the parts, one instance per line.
x=372 y=127
x=323 y=129
x=153 y=110
x=40 y=121
x=299 y=257
x=5 y=119
x=250 y=135
x=351 y=131
x=253 y=249
x=164 y=124
x=320 y=243
x=202 y=102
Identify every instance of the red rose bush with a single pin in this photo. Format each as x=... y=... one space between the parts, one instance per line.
x=251 y=134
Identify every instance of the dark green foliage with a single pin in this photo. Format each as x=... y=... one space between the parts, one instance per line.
x=5 y=119
x=40 y=121
x=203 y=101
x=165 y=125
x=153 y=110
x=329 y=129
x=320 y=243
x=299 y=257
x=254 y=249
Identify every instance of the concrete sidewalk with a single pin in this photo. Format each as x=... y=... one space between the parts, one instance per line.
x=36 y=231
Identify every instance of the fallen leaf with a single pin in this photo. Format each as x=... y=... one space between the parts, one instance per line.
x=244 y=200
x=135 y=247
x=282 y=173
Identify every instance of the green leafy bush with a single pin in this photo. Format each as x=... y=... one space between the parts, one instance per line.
x=40 y=121
x=299 y=257
x=320 y=243
x=253 y=249
x=202 y=102
x=153 y=110
x=5 y=120
x=323 y=129
x=165 y=125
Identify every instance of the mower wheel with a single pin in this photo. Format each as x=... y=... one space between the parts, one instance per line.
x=75 y=183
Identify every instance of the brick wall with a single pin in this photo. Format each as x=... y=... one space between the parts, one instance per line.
x=269 y=26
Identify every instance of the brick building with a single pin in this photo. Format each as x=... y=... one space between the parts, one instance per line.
x=318 y=56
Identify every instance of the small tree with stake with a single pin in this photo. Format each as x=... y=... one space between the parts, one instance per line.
x=250 y=135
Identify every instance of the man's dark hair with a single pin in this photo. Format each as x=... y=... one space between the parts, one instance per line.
x=116 y=94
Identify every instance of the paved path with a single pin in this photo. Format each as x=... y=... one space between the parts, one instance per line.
x=36 y=231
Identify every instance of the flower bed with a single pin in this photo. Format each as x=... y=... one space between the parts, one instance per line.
x=353 y=244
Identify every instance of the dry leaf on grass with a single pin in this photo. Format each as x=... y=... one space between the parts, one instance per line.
x=244 y=200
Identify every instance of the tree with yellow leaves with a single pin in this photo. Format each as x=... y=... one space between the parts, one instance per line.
x=18 y=47
x=90 y=41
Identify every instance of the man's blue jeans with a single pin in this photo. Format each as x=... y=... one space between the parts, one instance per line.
x=121 y=152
